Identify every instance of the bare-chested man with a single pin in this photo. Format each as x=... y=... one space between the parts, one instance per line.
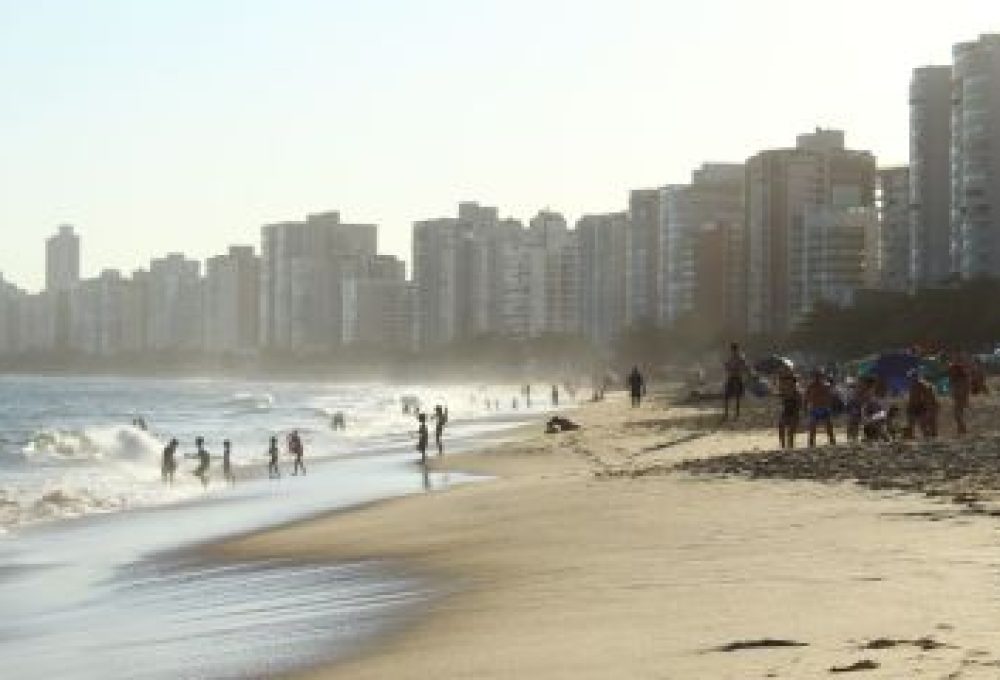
x=819 y=400
x=790 y=397
x=921 y=408
x=960 y=386
x=736 y=368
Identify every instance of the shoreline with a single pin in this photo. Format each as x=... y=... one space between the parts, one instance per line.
x=559 y=572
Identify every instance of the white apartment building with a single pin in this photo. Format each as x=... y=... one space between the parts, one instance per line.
x=602 y=276
x=232 y=302
x=379 y=307
x=975 y=157
x=642 y=258
x=303 y=268
x=175 y=321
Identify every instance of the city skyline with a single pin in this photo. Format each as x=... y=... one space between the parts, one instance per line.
x=153 y=132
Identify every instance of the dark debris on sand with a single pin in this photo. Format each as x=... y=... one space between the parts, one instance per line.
x=863 y=665
x=957 y=469
x=763 y=643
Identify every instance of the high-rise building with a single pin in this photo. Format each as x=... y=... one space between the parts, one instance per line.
x=303 y=267
x=642 y=258
x=232 y=301
x=459 y=270
x=62 y=260
x=783 y=186
x=602 y=276
x=11 y=299
x=930 y=239
x=975 y=157
x=379 y=307
x=894 y=217
x=715 y=196
x=175 y=321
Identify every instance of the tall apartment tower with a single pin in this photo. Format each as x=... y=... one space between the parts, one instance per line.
x=232 y=301
x=62 y=260
x=975 y=157
x=930 y=173
x=460 y=266
x=303 y=269
x=715 y=196
x=894 y=245
x=642 y=258
x=809 y=210
x=602 y=276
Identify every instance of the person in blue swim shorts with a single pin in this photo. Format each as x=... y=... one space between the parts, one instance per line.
x=819 y=400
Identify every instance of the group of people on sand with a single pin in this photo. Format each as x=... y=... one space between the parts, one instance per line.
x=865 y=402
x=204 y=458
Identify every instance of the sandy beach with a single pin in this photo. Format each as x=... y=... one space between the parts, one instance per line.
x=590 y=555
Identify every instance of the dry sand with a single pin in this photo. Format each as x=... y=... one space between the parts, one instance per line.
x=575 y=563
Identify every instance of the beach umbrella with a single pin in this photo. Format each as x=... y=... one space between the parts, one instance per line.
x=773 y=365
x=895 y=368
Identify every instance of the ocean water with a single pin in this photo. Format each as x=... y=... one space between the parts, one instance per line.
x=68 y=447
x=98 y=578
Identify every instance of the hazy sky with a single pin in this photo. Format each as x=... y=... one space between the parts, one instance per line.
x=160 y=125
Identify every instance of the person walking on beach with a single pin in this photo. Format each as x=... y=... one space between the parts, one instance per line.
x=819 y=400
x=921 y=408
x=295 y=448
x=636 y=387
x=273 y=471
x=227 y=463
x=204 y=460
x=790 y=397
x=170 y=461
x=736 y=368
x=422 y=437
x=440 y=420
x=960 y=386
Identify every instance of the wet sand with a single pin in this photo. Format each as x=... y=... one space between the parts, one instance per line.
x=590 y=556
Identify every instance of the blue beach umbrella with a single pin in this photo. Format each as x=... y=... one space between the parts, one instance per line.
x=895 y=368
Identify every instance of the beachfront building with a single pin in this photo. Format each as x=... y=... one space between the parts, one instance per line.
x=175 y=321
x=717 y=288
x=62 y=260
x=379 y=307
x=97 y=315
x=463 y=268
x=232 y=301
x=642 y=258
x=302 y=271
x=930 y=239
x=975 y=157
x=602 y=276
x=783 y=185
x=715 y=196
x=893 y=256
x=832 y=257
x=37 y=323
x=11 y=299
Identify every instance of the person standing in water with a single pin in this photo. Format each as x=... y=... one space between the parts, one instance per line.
x=636 y=386
x=227 y=463
x=169 y=461
x=422 y=437
x=295 y=448
x=273 y=471
x=440 y=420
x=204 y=460
x=555 y=395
